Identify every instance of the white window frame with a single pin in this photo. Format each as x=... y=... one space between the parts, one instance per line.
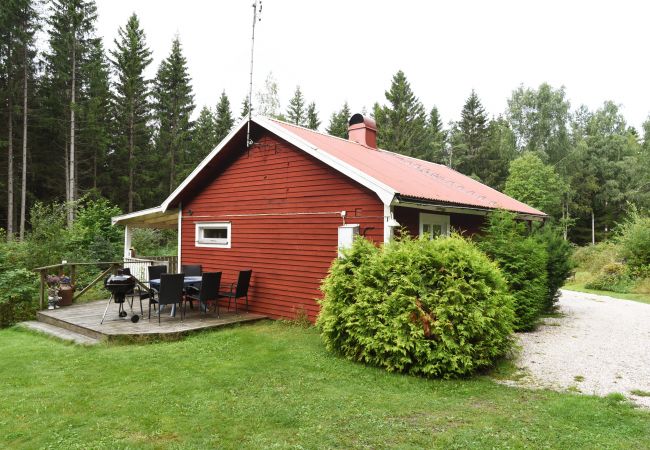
x=435 y=219
x=200 y=241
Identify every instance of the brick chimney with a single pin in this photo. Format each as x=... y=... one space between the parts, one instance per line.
x=362 y=130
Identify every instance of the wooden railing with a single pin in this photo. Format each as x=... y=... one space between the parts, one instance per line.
x=72 y=270
x=136 y=265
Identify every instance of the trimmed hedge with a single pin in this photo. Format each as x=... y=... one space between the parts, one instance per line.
x=435 y=308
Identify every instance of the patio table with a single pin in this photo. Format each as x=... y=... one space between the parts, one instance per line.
x=194 y=281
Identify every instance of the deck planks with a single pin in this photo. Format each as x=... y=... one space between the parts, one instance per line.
x=85 y=319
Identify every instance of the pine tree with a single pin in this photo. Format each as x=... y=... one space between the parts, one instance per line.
x=313 y=122
x=173 y=105
x=95 y=121
x=204 y=135
x=244 y=108
x=71 y=34
x=437 y=137
x=296 y=111
x=339 y=122
x=469 y=137
x=402 y=124
x=223 y=118
x=130 y=59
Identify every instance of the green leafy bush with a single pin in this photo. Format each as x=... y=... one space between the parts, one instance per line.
x=633 y=237
x=558 y=263
x=18 y=293
x=523 y=260
x=435 y=308
x=613 y=277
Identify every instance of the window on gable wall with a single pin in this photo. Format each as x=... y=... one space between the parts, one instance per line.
x=213 y=234
x=434 y=225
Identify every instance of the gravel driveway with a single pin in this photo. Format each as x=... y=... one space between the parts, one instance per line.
x=599 y=346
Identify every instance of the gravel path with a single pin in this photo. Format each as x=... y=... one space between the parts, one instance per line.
x=599 y=346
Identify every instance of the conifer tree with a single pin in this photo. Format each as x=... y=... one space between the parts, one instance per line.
x=339 y=122
x=296 y=111
x=313 y=122
x=223 y=118
x=469 y=137
x=173 y=105
x=95 y=120
x=72 y=27
x=244 y=108
x=204 y=140
x=402 y=124
x=435 y=151
x=130 y=59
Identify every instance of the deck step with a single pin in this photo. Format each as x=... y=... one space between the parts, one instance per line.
x=61 y=333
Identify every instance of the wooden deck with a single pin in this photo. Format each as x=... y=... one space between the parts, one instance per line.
x=84 y=319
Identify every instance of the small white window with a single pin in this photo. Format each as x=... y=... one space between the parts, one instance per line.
x=434 y=225
x=213 y=234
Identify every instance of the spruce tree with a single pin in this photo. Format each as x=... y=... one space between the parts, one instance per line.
x=223 y=118
x=313 y=122
x=72 y=28
x=244 y=108
x=130 y=59
x=402 y=124
x=437 y=137
x=204 y=140
x=469 y=137
x=296 y=113
x=339 y=122
x=173 y=105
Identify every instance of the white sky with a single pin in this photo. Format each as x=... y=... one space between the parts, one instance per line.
x=339 y=50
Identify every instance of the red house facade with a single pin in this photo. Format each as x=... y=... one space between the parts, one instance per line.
x=283 y=205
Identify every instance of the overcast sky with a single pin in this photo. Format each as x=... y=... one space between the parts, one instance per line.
x=339 y=50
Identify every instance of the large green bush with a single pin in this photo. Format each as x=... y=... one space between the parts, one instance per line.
x=523 y=260
x=612 y=277
x=435 y=308
x=633 y=238
x=558 y=263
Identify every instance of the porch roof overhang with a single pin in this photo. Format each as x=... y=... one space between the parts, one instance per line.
x=148 y=218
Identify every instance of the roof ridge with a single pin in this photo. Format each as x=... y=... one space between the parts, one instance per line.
x=320 y=132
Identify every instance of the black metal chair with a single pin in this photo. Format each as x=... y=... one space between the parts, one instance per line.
x=171 y=292
x=210 y=282
x=154 y=274
x=192 y=270
x=238 y=289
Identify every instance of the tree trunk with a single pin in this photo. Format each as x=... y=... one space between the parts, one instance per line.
x=131 y=162
x=71 y=168
x=10 y=150
x=23 y=193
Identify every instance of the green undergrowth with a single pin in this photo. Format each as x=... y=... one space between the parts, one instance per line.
x=272 y=385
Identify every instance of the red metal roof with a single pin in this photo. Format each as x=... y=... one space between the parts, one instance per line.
x=411 y=177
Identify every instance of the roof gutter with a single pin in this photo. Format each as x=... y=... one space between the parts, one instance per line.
x=409 y=202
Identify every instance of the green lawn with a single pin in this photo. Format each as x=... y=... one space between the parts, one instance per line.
x=580 y=287
x=273 y=385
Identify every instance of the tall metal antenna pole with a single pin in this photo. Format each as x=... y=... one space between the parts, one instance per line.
x=249 y=142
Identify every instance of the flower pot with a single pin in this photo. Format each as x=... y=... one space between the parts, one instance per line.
x=66 y=291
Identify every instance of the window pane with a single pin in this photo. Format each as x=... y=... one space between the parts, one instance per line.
x=215 y=233
x=436 y=230
x=426 y=228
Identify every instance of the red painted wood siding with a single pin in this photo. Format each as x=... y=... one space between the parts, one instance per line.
x=467 y=224
x=260 y=192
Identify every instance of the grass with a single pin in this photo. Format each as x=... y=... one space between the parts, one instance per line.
x=640 y=393
x=274 y=385
x=580 y=287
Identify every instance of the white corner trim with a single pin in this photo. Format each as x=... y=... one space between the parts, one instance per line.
x=180 y=238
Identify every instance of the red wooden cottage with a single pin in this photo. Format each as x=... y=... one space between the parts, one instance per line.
x=284 y=204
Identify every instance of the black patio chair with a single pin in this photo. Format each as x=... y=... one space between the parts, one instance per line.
x=154 y=274
x=210 y=282
x=238 y=289
x=171 y=292
x=192 y=270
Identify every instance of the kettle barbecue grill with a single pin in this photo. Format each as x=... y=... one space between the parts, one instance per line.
x=120 y=285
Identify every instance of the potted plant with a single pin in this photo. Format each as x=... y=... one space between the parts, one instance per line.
x=53 y=298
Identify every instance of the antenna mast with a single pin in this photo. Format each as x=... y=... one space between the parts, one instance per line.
x=257 y=4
